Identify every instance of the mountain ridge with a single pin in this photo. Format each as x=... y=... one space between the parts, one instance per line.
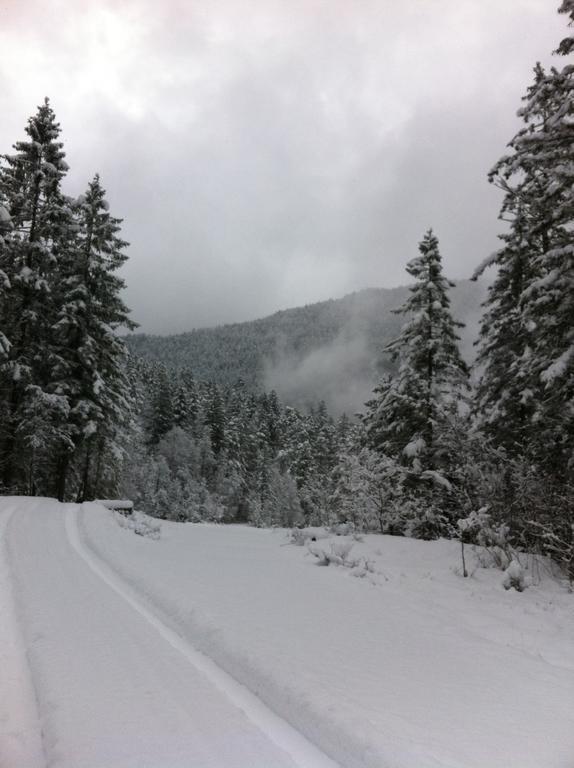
x=330 y=350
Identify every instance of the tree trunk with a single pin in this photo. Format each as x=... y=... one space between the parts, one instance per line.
x=8 y=449
x=62 y=476
x=84 y=492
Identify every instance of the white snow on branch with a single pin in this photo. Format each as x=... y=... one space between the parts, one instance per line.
x=558 y=367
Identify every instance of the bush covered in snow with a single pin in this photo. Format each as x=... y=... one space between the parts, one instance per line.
x=514 y=577
x=337 y=553
x=140 y=524
x=300 y=536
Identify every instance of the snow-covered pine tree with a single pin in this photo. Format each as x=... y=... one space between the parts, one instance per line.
x=215 y=419
x=90 y=368
x=281 y=505
x=41 y=221
x=527 y=334
x=183 y=415
x=159 y=417
x=405 y=418
x=548 y=303
x=504 y=399
x=271 y=420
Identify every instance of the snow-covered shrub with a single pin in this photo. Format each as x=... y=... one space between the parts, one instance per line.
x=321 y=554
x=211 y=508
x=557 y=541
x=514 y=577
x=368 y=493
x=255 y=511
x=428 y=524
x=337 y=554
x=478 y=529
x=527 y=509
x=140 y=524
x=281 y=507
x=341 y=529
x=341 y=550
x=300 y=536
x=363 y=568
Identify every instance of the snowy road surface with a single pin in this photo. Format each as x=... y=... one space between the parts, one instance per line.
x=103 y=682
x=123 y=651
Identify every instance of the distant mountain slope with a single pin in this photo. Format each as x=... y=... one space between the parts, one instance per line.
x=331 y=350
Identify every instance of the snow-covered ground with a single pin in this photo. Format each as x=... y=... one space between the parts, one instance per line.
x=402 y=663
x=106 y=683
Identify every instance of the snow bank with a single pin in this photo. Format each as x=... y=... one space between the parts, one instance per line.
x=410 y=666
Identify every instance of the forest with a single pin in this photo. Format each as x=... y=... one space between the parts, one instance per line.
x=439 y=450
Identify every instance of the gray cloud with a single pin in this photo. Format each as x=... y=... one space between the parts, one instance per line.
x=266 y=153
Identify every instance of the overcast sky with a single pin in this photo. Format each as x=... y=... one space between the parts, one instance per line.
x=271 y=153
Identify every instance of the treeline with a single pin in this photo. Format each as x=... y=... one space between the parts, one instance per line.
x=208 y=452
x=63 y=397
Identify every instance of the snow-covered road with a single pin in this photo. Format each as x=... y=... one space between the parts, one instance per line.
x=94 y=678
x=220 y=646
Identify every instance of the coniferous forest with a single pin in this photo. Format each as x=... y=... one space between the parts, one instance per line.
x=438 y=451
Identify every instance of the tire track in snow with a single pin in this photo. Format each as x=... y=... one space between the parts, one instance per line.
x=303 y=752
x=20 y=727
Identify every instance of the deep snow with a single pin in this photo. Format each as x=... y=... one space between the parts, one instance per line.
x=114 y=687
x=409 y=666
x=402 y=664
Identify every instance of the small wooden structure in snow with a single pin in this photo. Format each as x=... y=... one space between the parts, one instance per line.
x=124 y=506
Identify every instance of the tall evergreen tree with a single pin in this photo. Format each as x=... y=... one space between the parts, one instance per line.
x=41 y=221
x=91 y=360
x=504 y=399
x=548 y=303
x=215 y=419
x=527 y=335
x=160 y=416
x=64 y=398
x=404 y=419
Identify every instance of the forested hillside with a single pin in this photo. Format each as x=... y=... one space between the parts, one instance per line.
x=331 y=351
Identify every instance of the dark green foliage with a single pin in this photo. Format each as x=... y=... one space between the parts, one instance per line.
x=527 y=342
x=405 y=419
x=64 y=399
x=39 y=234
x=526 y=393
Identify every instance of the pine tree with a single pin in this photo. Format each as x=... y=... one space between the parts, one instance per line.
x=41 y=223
x=405 y=418
x=183 y=412
x=367 y=490
x=281 y=503
x=548 y=303
x=160 y=416
x=504 y=399
x=527 y=336
x=63 y=389
x=91 y=363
